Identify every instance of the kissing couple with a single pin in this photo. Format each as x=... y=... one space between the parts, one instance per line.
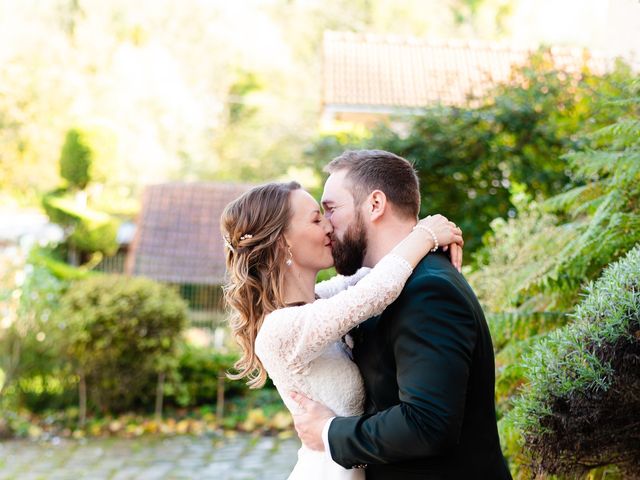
x=387 y=368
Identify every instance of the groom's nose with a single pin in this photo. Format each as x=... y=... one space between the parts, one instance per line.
x=328 y=227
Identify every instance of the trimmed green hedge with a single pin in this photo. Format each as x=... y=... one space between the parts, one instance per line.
x=92 y=230
x=582 y=407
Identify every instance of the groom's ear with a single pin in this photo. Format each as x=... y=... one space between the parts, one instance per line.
x=376 y=205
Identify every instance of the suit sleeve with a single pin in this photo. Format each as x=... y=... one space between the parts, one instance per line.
x=433 y=346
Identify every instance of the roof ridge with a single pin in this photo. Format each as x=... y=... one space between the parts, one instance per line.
x=401 y=39
x=373 y=38
x=380 y=70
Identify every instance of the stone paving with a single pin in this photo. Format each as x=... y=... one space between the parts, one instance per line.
x=184 y=457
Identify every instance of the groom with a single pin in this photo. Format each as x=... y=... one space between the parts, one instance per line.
x=427 y=360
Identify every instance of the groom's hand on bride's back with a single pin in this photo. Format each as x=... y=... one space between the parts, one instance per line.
x=310 y=421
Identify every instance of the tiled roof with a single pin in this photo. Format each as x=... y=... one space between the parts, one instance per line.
x=395 y=71
x=178 y=236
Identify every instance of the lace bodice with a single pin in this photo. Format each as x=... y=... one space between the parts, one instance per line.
x=300 y=346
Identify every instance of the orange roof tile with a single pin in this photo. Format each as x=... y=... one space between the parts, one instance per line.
x=408 y=72
x=178 y=236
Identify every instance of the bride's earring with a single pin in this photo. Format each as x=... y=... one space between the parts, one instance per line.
x=289 y=261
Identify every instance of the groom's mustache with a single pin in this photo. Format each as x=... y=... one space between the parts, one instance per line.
x=348 y=252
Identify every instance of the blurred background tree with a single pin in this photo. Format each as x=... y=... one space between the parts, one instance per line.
x=171 y=79
x=471 y=160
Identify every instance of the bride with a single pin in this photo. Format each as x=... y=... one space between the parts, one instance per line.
x=291 y=328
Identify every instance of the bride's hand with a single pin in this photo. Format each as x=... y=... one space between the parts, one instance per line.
x=448 y=234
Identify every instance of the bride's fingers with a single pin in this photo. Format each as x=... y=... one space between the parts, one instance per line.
x=456 y=237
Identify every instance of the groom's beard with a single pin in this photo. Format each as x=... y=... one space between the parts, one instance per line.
x=348 y=253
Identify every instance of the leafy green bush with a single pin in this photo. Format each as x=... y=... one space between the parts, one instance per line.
x=532 y=268
x=540 y=259
x=468 y=158
x=605 y=211
x=30 y=337
x=516 y=254
x=196 y=379
x=581 y=408
x=123 y=334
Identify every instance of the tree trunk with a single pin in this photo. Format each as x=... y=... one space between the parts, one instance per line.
x=73 y=256
x=220 y=399
x=160 y=395
x=12 y=366
x=82 y=393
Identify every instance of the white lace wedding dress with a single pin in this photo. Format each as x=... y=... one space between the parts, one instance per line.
x=301 y=349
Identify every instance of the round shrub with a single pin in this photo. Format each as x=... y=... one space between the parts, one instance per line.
x=123 y=334
x=582 y=407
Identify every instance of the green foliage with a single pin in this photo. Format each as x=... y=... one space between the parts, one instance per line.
x=76 y=159
x=325 y=274
x=49 y=259
x=122 y=333
x=610 y=200
x=514 y=334
x=540 y=260
x=532 y=268
x=515 y=255
x=90 y=230
x=99 y=236
x=246 y=84
x=580 y=408
x=196 y=380
x=30 y=337
x=86 y=156
x=468 y=158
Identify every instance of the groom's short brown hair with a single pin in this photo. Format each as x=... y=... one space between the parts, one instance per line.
x=370 y=170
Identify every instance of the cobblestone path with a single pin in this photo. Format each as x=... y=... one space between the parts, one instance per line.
x=184 y=457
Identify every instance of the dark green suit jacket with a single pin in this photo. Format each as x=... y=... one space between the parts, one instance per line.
x=428 y=370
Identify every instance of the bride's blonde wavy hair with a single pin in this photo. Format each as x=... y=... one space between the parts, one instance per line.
x=256 y=252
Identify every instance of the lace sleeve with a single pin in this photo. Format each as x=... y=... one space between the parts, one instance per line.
x=294 y=336
x=329 y=288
